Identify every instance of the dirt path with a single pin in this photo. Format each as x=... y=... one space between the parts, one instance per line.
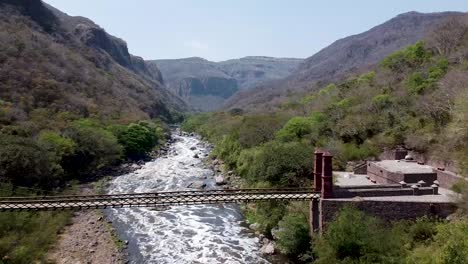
x=87 y=240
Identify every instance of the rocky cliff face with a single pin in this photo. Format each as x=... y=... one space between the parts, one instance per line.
x=254 y=70
x=96 y=37
x=344 y=57
x=206 y=85
x=75 y=66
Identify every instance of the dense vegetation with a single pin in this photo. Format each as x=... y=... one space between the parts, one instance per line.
x=416 y=98
x=48 y=154
x=69 y=110
x=354 y=237
x=27 y=236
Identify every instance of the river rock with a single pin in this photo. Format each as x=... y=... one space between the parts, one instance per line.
x=196 y=156
x=268 y=249
x=135 y=166
x=193 y=148
x=261 y=237
x=215 y=162
x=220 y=180
x=254 y=226
x=197 y=185
x=274 y=232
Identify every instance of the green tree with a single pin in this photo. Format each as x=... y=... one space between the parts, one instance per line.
x=450 y=245
x=294 y=234
x=354 y=237
x=96 y=147
x=137 y=140
x=24 y=162
x=286 y=164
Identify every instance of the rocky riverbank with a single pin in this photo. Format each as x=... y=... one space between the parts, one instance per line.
x=228 y=179
x=89 y=238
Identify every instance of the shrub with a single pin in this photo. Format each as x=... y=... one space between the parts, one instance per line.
x=411 y=56
x=25 y=162
x=293 y=234
x=228 y=149
x=439 y=70
x=450 y=245
x=137 y=139
x=295 y=129
x=416 y=83
x=192 y=123
x=354 y=237
x=26 y=237
x=259 y=129
x=57 y=144
x=96 y=147
x=278 y=163
x=267 y=215
x=381 y=101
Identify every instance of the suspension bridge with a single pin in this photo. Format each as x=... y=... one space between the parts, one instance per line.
x=154 y=199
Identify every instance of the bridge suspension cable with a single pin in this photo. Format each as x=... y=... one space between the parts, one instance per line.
x=154 y=199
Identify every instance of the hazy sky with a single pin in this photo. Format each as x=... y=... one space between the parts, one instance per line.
x=225 y=29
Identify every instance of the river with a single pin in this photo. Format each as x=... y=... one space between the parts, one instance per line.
x=181 y=234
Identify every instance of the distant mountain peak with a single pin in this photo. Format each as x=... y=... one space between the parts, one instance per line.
x=206 y=84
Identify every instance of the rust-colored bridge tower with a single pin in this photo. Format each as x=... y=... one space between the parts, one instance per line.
x=323 y=183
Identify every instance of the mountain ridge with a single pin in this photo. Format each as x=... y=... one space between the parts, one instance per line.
x=346 y=56
x=206 y=84
x=76 y=66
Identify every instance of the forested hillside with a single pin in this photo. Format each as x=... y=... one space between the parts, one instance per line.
x=65 y=86
x=73 y=102
x=53 y=61
x=416 y=97
x=344 y=58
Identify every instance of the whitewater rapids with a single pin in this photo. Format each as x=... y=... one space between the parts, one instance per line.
x=181 y=234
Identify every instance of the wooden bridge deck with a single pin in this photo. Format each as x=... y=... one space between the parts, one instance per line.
x=79 y=202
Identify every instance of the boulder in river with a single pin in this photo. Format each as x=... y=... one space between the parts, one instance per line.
x=197 y=185
x=135 y=166
x=268 y=249
x=193 y=148
x=254 y=226
x=274 y=233
x=196 y=156
x=220 y=180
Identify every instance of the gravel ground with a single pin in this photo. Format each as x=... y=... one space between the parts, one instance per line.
x=88 y=239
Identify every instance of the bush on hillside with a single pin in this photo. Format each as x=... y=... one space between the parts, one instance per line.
x=24 y=162
x=294 y=234
x=354 y=237
x=228 y=149
x=137 y=139
x=284 y=164
x=267 y=215
x=27 y=237
x=259 y=129
x=297 y=128
x=96 y=147
x=411 y=56
x=450 y=246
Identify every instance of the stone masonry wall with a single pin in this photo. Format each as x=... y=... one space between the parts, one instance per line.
x=447 y=178
x=388 y=211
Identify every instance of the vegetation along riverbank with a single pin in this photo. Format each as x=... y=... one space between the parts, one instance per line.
x=356 y=119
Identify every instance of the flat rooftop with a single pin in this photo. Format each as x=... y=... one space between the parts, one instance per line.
x=402 y=166
x=349 y=179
